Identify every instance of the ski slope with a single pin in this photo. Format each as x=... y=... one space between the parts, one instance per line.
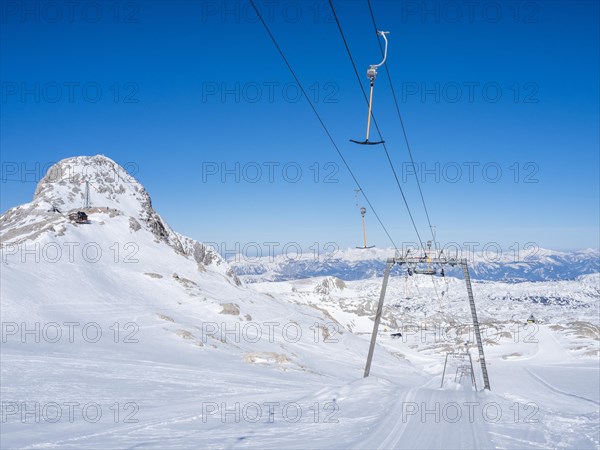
x=121 y=333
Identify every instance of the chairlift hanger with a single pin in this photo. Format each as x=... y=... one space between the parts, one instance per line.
x=430 y=270
x=363 y=211
x=372 y=74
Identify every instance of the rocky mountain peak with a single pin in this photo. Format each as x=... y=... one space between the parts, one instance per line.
x=102 y=189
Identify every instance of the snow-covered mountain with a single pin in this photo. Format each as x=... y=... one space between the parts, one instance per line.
x=420 y=298
x=122 y=333
x=125 y=310
x=356 y=264
x=115 y=197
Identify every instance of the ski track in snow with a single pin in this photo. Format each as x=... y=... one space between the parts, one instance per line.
x=569 y=394
x=176 y=286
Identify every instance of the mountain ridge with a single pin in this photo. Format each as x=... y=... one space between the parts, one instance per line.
x=534 y=265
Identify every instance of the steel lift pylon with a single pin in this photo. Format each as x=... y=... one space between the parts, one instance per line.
x=413 y=260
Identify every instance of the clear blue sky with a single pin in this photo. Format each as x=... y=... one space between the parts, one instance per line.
x=188 y=86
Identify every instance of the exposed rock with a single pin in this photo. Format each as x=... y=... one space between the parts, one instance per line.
x=231 y=274
x=134 y=225
x=184 y=281
x=329 y=285
x=230 y=308
x=266 y=358
x=184 y=334
x=153 y=275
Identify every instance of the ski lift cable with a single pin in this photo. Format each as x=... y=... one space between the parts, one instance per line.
x=403 y=128
x=321 y=122
x=374 y=120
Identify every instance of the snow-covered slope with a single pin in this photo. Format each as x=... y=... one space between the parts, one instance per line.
x=122 y=333
x=533 y=264
x=420 y=299
x=126 y=311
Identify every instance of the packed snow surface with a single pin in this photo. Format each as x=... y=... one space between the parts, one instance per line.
x=122 y=333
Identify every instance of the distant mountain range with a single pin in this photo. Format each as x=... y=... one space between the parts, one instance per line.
x=355 y=264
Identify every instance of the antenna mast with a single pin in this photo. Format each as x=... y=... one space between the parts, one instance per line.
x=87 y=195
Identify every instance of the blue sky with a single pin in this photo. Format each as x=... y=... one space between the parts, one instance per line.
x=179 y=91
